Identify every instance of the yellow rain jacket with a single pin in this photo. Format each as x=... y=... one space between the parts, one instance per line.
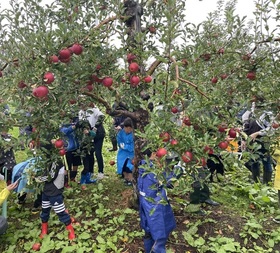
x=4 y=192
x=276 y=156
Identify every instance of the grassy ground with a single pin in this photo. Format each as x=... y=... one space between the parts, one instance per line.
x=105 y=219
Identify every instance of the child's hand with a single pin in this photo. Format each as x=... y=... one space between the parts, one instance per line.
x=12 y=186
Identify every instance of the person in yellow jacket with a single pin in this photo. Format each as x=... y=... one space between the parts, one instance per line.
x=276 y=157
x=4 y=193
x=5 y=190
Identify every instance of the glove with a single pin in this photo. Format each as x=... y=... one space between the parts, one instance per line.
x=122 y=145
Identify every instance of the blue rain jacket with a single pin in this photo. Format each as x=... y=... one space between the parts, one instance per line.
x=71 y=139
x=125 y=153
x=20 y=171
x=156 y=218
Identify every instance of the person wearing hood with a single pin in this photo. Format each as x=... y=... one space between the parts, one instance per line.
x=125 y=139
x=257 y=129
x=72 y=144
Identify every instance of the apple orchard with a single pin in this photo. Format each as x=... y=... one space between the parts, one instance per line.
x=163 y=68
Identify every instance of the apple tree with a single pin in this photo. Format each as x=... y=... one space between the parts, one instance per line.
x=147 y=55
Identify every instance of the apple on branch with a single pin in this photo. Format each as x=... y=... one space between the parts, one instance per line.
x=165 y=136
x=22 y=85
x=40 y=91
x=133 y=67
x=49 y=77
x=59 y=143
x=107 y=81
x=161 y=152
x=134 y=81
x=187 y=156
x=76 y=49
x=64 y=54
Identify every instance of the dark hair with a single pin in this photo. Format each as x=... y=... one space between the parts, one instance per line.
x=128 y=122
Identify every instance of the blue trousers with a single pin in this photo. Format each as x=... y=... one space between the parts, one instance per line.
x=154 y=246
x=55 y=202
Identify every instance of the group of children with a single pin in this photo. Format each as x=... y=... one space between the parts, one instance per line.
x=156 y=215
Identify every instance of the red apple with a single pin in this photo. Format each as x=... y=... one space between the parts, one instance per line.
x=22 y=85
x=64 y=54
x=187 y=121
x=165 y=136
x=187 y=157
x=173 y=142
x=98 y=67
x=223 y=144
x=133 y=67
x=54 y=59
x=130 y=57
x=232 y=133
x=107 y=81
x=66 y=60
x=95 y=78
x=59 y=143
x=208 y=150
x=62 y=152
x=112 y=162
x=222 y=127
x=221 y=51
x=161 y=152
x=251 y=75
x=223 y=76
x=36 y=246
x=206 y=57
x=76 y=49
x=202 y=162
x=48 y=77
x=214 y=80
x=40 y=91
x=148 y=79
x=174 y=109
x=89 y=87
x=134 y=81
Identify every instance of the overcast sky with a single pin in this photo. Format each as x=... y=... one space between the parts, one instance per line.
x=196 y=10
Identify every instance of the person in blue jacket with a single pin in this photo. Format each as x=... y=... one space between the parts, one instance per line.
x=125 y=139
x=156 y=214
x=72 y=144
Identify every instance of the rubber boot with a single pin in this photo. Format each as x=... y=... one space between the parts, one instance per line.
x=115 y=145
x=83 y=179
x=88 y=180
x=256 y=174
x=71 y=232
x=267 y=177
x=44 y=230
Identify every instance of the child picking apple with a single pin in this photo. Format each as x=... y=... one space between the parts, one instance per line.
x=52 y=193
